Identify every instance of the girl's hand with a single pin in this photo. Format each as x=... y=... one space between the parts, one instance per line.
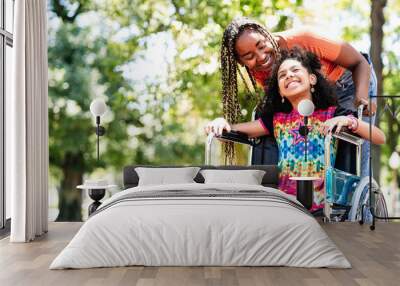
x=217 y=126
x=338 y=122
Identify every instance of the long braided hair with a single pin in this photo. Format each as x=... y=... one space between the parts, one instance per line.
x=230 y=69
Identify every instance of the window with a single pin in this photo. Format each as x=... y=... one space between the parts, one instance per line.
x=6 y=65
x=9 y=16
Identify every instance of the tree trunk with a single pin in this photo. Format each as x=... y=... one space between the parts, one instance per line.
x=376 y=33
x=70 y=198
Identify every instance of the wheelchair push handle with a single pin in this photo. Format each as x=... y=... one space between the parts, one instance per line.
x=360 y=110
x=232 y=136
x=238 y=137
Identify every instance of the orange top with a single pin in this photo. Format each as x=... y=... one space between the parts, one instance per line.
x=325 y=49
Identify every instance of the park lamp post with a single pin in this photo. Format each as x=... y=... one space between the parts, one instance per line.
x=98 y=108
x=394 y=164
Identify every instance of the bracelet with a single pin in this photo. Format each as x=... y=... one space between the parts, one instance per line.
x=354 y=123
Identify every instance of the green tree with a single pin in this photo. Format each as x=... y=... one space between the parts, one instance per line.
x=83 y=65
x=70 y=95
x=376 y=35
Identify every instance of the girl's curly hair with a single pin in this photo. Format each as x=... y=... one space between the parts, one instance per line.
x=323 y=97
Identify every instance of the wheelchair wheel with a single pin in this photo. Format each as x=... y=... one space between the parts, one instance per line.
x=380 y=205
x=360 y=210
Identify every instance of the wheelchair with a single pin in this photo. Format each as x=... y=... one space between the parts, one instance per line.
x=347 y=195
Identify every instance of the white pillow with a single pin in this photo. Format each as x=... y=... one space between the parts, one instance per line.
x=166 y=176
x=248 y=177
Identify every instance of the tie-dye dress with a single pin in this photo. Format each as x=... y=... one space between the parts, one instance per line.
x=291 y=150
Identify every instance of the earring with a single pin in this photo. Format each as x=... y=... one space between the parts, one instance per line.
x=283 y=99
x=312 y=89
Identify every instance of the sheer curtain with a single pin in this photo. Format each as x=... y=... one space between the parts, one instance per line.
x=28 y=123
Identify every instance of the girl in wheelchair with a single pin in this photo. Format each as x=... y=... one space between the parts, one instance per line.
x=296 y=76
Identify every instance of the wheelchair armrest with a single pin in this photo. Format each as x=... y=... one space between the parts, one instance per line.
x=346 y=135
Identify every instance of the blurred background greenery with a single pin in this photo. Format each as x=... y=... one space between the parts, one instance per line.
x=156 y=64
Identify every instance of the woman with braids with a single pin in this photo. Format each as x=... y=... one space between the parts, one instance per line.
x=295 y=77
x=249 y=44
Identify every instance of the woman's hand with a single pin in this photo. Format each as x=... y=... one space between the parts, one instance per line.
x=369 y=110
x=339 y=122
x=217 y=126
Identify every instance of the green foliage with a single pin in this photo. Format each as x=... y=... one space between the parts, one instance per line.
x=354 y=33
x=84 y=63
x=69 y=95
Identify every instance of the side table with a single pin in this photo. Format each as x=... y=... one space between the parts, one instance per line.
x=96 y=193
x=304 y=190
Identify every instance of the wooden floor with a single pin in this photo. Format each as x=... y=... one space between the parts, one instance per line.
x=374 y=255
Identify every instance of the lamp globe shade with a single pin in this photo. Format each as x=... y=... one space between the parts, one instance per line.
x=98 y=107
x=306 y=107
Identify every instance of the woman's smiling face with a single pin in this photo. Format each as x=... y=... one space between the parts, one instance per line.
x=254 y=51
x=294 y=79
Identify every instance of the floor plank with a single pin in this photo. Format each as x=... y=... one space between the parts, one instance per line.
x=374 y=255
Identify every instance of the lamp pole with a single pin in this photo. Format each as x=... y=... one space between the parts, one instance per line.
x=98 y=108
x=394 y=164
x=98 y=137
